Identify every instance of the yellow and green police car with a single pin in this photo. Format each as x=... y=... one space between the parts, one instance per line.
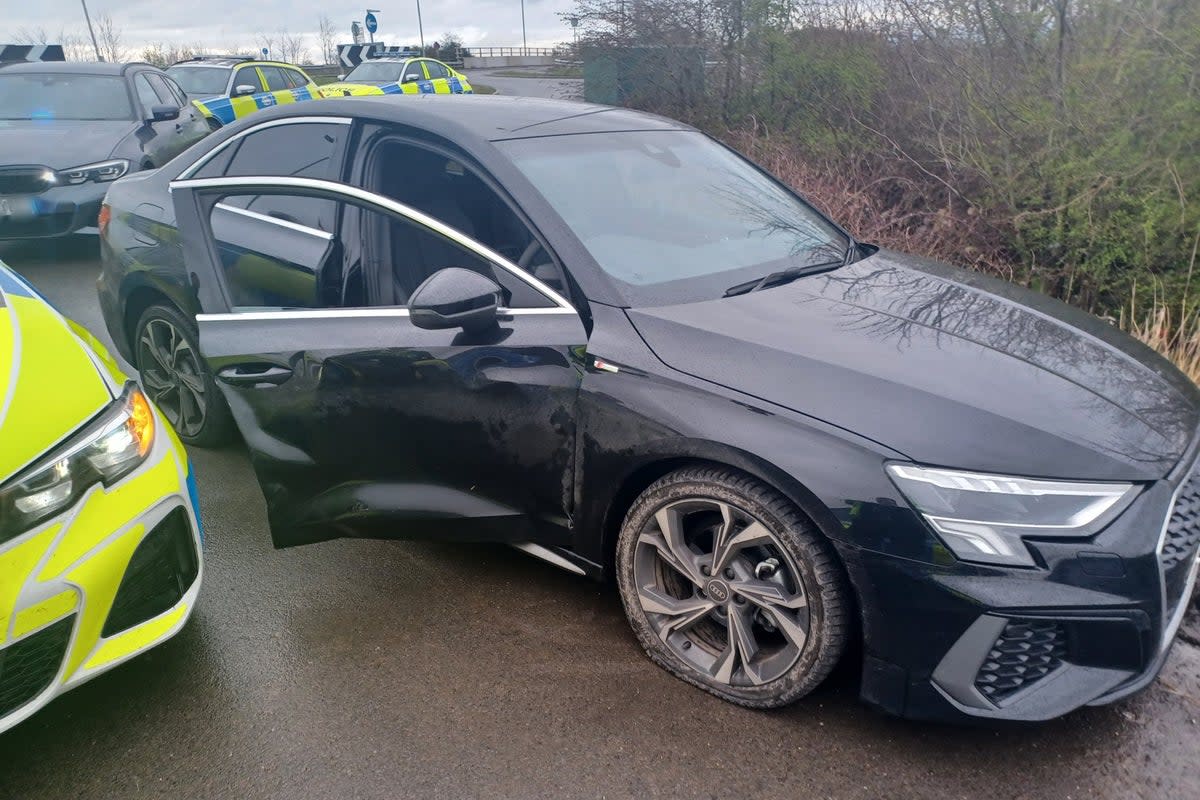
x=100 y=553
x=400 y=76
x=226 y=88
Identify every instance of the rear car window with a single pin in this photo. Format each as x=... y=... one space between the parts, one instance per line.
x=34 y=95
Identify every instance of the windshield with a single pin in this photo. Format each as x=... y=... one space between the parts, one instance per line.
x=201 y=80
x=57 y=95
x=376 y=72
x=672 y=216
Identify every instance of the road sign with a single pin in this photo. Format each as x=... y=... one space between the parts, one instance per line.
x=371 y=22
x=266 y=52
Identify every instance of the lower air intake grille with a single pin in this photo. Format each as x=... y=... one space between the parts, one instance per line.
x=1026 y=651
x=29 y=666
x=160 y=572
x=1183 y=529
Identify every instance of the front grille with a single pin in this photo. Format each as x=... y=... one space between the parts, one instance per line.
x=24 y=180
x=1026 y=651
x=29 y=666
x=55 y=224
x=1183 y=529
x=160 y=572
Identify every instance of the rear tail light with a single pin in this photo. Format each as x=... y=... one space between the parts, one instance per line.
x=102 y=220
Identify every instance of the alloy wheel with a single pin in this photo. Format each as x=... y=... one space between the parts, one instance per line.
x=721 y=591
x=172 y=375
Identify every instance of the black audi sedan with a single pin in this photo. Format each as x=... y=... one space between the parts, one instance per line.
x=607 y=339
x=68 y=130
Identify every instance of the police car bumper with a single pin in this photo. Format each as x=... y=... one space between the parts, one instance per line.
x=107 y=579
x=58 y=211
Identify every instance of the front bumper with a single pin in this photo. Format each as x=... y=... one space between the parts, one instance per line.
x=58 y=211
x=958 y=641
x=111 y=577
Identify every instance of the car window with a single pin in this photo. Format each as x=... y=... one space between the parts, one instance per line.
x=673 y=216
x=412 y=72
x=274 y=77
x=145 y=92
x=51 y=95
x=376 y=259
x=375 y=72
x=165 y=95
x=176 y=92
x=200 y=81
x=295 y=78
x=248 y=76
x=436 y=69
x=302 y=150
x=444 y=188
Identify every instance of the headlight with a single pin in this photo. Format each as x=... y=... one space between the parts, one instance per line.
x=101 y=172
x=985 y=518
x=106 y=450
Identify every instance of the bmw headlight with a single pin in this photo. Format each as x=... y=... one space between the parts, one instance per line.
x=106 y=450
x=100 y=172
x=985 y=518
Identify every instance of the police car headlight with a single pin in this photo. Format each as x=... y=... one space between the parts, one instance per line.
x=106 y=450
x=100 y=172
x=986 y=518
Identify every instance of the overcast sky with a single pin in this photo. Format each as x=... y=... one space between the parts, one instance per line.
x=220 y=24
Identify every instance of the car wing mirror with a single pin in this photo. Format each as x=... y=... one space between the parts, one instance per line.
x=163 y=113
x=243 y=89
x=412 y=77
x=455 y=298
x=342 y=77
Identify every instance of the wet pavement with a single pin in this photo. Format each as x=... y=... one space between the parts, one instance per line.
x=358 y=669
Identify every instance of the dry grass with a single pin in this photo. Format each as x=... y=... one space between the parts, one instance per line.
x=1173 y=332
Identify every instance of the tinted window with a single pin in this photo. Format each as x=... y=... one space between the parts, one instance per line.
x=145 y=92
x=248 y=76
x=303 y=150
x=176 y=92
x=436 y=69
x=375 y=259
x=672 y=216
x=445 y=189
x=63 y=96
x=275 y=80
x=165 y=96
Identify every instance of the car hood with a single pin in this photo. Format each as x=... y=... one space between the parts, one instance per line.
x=59 y=144
x=945 y=366
x=50 y=383
x=342 y=89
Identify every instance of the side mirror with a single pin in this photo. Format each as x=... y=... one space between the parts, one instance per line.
x=163 y=113
x=243 y=89
x=342 y=77
x=412 y=77
x=455 y=298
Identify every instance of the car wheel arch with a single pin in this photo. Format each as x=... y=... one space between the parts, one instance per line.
x=649 y=469
x=136 y=302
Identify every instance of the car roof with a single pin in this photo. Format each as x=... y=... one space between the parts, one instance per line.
x=74 y=67
x=473 y=119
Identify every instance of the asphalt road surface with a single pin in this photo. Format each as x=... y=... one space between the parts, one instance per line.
x=533 y=86
x=358 y=669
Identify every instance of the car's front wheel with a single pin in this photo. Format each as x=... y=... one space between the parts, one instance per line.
x=177 y=378
x=731 y=588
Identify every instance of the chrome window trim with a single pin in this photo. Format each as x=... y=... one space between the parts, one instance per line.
x=273 y=123
x=369 y=198
x=353 y=313
x=283 y=223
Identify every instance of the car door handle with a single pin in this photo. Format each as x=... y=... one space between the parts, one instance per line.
x=255 y=374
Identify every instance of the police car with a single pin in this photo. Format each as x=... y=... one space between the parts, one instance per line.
x=400 y=76
x=100 y=553
x=226 y=88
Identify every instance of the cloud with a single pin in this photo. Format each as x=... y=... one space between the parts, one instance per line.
x=221 y=25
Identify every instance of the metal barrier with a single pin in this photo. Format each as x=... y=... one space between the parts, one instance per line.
x=504 y=52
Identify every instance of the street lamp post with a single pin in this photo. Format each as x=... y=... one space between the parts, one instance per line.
x=88 y=17
x=524 y=38
x=420 y=27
